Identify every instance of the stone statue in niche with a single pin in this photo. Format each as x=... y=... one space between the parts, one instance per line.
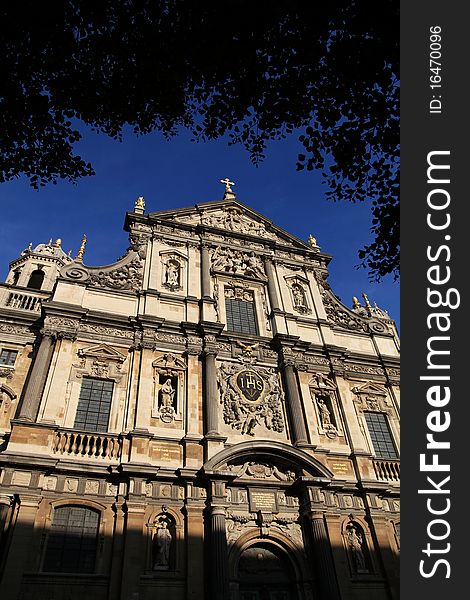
x=167 y=393
x=355 y=543
x=162 y=540
x=300 y=300
x=324 y=413
x=173 y=274
x=167 y=397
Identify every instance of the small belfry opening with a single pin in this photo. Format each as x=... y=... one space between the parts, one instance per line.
x=36 y=279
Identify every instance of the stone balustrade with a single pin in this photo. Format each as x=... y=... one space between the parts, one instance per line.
x=30 y=301
x=387 y=470
x=104 y=446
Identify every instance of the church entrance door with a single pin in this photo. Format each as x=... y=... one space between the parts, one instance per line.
x=265 y=574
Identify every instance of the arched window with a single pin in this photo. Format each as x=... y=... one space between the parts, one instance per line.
x=35 y=280
x=71 y=546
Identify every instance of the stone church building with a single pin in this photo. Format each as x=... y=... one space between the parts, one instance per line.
x=202 y=419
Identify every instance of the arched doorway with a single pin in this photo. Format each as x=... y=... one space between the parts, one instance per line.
x=265 y=573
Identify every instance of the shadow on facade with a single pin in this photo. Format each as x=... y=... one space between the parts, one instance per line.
x=138 y=551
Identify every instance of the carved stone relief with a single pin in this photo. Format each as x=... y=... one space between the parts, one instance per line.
x=7 y=398
x=233 y=219
x=237 y=262
x=102 y=330
x=372 y=397
x=251 y=397
x=127 y=277
x=99 y=360
x=239 y=291
x=264 y=471
x=7 y=372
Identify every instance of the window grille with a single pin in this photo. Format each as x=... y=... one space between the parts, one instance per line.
x=94 y=404
x=8 y=357
x=380 y=435
x=71 y=546
x=241 y=316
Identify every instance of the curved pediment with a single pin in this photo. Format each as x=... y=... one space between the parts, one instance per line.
x=267 y=460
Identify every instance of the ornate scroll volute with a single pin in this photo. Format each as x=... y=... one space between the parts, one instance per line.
x=169 y=388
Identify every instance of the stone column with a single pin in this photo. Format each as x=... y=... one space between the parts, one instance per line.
x=211 y=394
x=116 y=570
x=21 y=547
x=133 y=550
x=205 y=271
x=299 y=432
x=37 y=378
x=272 y=289
x=219 y=588
x=323 y=558
x=194 y=551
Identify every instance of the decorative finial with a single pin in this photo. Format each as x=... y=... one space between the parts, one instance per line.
x=50 y=242
x=82 y=248
x=30 y=247
x=312 y=242
x=139 y=205
x=366 y=300
x=355 y=302
x=229 y=193
x=58 y=242
x=69 y=253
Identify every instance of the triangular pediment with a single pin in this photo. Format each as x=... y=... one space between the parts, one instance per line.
x=232 y=217
x=102 y=351
x=369 y=389
x=320 y=381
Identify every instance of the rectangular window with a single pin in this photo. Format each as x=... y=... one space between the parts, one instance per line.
x=241 y=316
x=94 y=404
x=8 y=357
x=380 y=435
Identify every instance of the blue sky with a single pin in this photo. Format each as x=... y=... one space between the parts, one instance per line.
x=179 y=173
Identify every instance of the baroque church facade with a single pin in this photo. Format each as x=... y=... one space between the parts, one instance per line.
x=202 y=419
